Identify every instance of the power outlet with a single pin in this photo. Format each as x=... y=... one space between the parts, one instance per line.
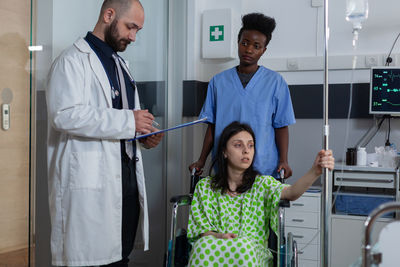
x=373 y=60
x=292 y=64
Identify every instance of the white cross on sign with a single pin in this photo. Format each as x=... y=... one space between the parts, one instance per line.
x=216 y=32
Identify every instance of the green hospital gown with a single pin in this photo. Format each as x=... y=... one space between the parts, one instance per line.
x=248 y=215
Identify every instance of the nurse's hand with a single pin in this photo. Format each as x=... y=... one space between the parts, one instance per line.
x=143 y=121
x=286 y=167
x=199 y=165
x=152 y=140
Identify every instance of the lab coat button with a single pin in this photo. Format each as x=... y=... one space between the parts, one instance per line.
x=137 y=159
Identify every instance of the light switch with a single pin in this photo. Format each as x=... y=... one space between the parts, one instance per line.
x=5 y=112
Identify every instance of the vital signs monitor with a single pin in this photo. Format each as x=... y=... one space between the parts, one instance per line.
x=385 y=91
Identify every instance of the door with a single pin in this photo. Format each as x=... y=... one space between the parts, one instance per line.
x=15 y=88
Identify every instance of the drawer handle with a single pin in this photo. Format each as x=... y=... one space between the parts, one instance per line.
x=298 y=236
x=297 y=220
x=298 y=204
x=364 y=180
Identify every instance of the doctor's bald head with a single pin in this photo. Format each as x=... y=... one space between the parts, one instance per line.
x=120 y=6
x=119 y=22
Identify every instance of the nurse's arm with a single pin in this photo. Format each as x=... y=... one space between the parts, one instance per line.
x=282 y=143
x=205 y=151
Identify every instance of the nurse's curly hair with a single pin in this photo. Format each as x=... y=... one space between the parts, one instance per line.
x=259 y=22
x=220 y=180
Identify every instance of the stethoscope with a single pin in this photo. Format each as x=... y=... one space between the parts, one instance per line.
x=114 y=92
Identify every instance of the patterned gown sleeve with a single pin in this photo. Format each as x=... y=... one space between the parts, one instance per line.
x=201 y=216
x=273 y=190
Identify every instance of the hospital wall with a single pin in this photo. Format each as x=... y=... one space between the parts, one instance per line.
x=299 y=38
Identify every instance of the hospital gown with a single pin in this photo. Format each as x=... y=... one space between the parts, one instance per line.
x=264 y=104
x=248 y=215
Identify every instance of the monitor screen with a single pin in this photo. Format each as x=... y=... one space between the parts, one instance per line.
x=385 y=91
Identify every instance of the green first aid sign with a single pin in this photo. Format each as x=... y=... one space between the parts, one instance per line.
x=216 y=33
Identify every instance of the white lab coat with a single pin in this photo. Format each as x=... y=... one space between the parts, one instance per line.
x=84 y=161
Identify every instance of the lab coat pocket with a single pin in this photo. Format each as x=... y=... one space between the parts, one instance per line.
x=86 y=169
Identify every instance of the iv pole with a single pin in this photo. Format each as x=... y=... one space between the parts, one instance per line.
x=324 y=234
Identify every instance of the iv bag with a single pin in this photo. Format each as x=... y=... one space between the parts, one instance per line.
x=356 y=12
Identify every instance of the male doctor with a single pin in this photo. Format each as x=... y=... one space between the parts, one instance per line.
x=96 y=182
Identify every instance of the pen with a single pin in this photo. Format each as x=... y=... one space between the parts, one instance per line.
x=154 y=123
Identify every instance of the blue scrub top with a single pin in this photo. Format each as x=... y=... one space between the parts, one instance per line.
x=264 y=104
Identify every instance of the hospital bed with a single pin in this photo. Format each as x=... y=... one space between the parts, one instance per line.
x=284 y=248
x=387 y=254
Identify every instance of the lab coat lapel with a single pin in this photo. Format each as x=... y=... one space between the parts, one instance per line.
x=102 y=76
x=97 y=68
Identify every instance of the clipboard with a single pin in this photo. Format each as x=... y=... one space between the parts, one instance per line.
x=170 y=129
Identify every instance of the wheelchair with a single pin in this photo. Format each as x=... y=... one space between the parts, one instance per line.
x=283 y=247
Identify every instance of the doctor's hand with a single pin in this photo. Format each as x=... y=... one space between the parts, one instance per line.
x=152 y=140
x=143 y=121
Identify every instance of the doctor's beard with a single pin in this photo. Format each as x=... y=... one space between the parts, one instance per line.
x=112 y=38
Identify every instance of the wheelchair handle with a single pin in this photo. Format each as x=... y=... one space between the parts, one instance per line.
x=192 y=180
x=281 y=176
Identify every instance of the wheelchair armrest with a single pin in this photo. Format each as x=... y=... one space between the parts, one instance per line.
x=181 y=199
x=284 y=203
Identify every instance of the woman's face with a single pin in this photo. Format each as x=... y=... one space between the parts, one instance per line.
x=251 y=47
x=239 y=151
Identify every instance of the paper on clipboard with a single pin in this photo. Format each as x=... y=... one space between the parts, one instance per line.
x=169 y=129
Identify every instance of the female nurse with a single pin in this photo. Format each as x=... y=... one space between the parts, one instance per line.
x=252 y=94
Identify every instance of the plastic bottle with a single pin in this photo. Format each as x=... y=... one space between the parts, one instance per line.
x=361 y=156
x=356 y=12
